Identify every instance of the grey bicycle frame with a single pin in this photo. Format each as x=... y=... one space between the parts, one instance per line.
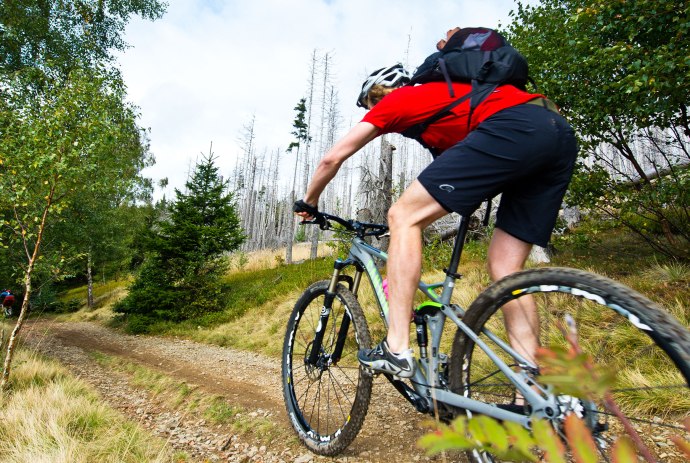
x=425 y=380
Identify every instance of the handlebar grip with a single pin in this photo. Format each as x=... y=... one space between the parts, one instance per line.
x=301 y=206
x=319 y=219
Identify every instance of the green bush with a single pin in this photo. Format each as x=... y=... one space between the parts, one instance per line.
x=182 y=275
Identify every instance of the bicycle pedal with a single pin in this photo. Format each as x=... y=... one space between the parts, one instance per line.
x=370 y=372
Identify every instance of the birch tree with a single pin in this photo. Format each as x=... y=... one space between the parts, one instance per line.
x=54 y=150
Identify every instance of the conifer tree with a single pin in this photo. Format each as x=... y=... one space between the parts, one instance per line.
x=301 y=133
x=182 y=275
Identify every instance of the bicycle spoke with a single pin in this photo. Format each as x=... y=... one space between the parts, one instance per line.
x=340 y=405
x=328 y=397
x=649 y=385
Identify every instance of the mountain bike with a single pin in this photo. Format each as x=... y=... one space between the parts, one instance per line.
x=327 y=392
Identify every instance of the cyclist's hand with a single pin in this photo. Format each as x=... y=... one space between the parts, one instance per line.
x=309 y=214
x=305 y=210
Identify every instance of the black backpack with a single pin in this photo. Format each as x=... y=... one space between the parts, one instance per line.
x=476 y=55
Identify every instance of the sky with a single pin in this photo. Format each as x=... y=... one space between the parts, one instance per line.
x=201 y=73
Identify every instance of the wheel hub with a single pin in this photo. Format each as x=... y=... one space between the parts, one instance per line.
x=323 y=362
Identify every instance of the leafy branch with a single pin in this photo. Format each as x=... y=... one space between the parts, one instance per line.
x=568 y=371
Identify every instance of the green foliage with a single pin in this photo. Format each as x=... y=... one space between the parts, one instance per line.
x=300 y=126
x=241 y=260
x=619 y=71
x=569 y=372
x=203 y=221
x=54 y=36
x=182 y=276
x=507 y=441
x=609 y=64
x=341 y=241
x=46 y=300
x=70 y=142
x=436 y=255
x=301 y=235
x=79 y=128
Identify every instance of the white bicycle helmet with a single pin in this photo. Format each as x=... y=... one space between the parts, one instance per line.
x=392 y=76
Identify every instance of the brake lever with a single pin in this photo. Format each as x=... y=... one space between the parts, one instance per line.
x=320 y=221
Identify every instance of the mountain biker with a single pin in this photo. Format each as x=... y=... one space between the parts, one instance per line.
x=7 y=300
x=516 y=144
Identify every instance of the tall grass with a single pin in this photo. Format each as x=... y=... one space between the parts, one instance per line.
x=49 y=416
x=271 y=258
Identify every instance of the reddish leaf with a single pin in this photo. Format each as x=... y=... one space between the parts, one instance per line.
x=682 y=444
x=580 y=440
x=623 y=451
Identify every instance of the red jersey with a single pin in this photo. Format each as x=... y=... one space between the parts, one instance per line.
x=410 y=105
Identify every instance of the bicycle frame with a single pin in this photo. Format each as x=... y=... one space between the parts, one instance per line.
x=427 y=389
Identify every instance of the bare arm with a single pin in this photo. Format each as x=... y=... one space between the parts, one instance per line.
x=353 y=141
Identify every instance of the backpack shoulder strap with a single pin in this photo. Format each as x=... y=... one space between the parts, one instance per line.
x=415 y=131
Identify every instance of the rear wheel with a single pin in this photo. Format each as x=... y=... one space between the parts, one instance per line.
x=326 y=401
x=619 y=329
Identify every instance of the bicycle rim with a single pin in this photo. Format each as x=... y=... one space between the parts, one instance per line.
x=326 y=402
x=622 y=331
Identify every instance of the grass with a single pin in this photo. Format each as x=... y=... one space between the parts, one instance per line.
x=104 y=290
x=270 y=258
x=48 y=415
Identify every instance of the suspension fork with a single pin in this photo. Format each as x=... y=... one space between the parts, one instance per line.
x=325 y=314
x=345 y=323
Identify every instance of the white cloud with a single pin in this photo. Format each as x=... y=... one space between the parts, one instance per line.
x=201 y=72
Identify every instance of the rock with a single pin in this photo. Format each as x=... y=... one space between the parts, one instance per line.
x=304 y=458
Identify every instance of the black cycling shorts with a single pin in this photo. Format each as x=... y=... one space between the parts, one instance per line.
x=525 y=152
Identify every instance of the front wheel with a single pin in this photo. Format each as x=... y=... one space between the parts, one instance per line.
x=621 y=330
x=326 y=391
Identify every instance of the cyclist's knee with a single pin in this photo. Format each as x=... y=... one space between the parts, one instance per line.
x=499 y=268
x=396 y=215
x=401 y=215
x=415 y=209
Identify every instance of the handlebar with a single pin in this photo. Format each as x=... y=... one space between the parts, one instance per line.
x=361 y=229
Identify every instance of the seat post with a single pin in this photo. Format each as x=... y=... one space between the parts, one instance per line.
x=452 y=270
x=459 y=243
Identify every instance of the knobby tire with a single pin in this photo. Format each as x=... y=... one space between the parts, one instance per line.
x=622 y=330
x=327 y=403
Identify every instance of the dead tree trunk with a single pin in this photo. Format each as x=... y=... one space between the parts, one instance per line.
x=384 y=194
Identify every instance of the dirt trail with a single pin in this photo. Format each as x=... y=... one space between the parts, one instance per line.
x=245 y=379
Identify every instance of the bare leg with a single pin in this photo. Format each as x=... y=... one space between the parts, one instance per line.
x=408 y=217
x=507 y=255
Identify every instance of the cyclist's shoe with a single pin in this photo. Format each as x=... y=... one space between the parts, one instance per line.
x=381 y=360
